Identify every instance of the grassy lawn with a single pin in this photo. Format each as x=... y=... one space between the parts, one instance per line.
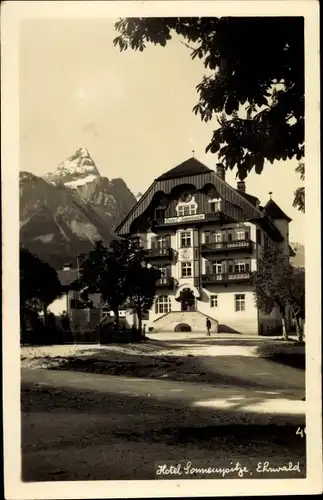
x=286 y=353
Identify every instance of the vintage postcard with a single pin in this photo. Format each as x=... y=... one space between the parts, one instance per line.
x=161 y=249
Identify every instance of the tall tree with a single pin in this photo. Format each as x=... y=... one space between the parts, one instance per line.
x=108 y=270
x=254 y=87
x=39 y=285
x=142 y=288
x=278 y=284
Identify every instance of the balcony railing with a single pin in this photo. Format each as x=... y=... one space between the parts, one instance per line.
x=226 y=277
x=158 y=252
x=165 y=282
x=245 y=245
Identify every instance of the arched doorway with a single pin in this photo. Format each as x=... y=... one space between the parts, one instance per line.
x=183 y=327
x=187 y=300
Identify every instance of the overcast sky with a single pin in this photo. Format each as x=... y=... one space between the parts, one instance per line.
x=131 y=110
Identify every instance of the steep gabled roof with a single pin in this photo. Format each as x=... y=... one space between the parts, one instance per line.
x=68 y=276
x=190 y=171
x=253 y=199
x=275 y=212
x=189 y=167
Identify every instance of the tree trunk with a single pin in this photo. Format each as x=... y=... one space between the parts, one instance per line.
x=299 y=329
x=139 y=319
x=285 y=329
x=116 y=316
x=45 y=315
x=298 y=325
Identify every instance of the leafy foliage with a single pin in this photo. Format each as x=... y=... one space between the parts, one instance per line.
x=299 y=194
x=278 y=284
x=142 y=288
x=119 y=273
x=254 y=81
x=39 y=283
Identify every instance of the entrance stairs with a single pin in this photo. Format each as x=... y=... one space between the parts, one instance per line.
x=173 y=321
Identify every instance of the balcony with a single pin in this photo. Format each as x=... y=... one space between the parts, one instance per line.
x=225 y=278
x=165 y=282
x=159 y=253
x=225 y=246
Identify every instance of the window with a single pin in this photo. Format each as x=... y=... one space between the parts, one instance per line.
x=186 y=239
x=216 y=267
x=186 y=209
x=162 y=304
x=240 y=302
x=159 y=213
x=240 y=235
x=162 y=242
x=165 y=272
x=215 y=206
x=186 y=206
x=213 y=236
x=186 y=269
x=216 y=237
x=136 y=240
x=214 y=300
x=241 y=266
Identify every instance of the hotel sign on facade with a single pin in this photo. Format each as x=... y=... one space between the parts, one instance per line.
x=184 y=218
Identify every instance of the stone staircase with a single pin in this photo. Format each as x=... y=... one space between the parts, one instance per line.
x=195 y=320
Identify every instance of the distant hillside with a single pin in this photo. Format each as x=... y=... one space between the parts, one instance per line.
x=299 y=259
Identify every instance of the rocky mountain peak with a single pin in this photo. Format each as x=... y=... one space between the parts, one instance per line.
x=77 y=170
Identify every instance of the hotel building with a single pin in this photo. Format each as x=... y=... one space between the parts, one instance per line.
x=206 y=238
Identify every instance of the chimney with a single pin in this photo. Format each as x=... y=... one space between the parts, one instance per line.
x=220 y=171
x=241 y=186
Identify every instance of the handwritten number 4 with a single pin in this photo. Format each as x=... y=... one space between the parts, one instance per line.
x=301 y=432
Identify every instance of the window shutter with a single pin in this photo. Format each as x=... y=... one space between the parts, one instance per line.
x=208 y=267
x=195 y=237
x=230 y=266
x=246 y=235
x=207 y=236
x=168 y=241
x=229 y=236
x=248 y=266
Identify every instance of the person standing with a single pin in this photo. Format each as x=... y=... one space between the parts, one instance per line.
x=208 y=326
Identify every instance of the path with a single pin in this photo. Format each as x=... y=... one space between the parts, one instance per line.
x=78 y=426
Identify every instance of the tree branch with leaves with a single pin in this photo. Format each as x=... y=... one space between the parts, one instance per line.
x=253 y=88
x=278 y=284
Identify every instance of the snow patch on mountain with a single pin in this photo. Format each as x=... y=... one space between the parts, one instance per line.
x=81 y=182
x=79 y=166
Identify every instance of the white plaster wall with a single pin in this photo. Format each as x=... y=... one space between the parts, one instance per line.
x=283 y=226
x=242 y=321
x=59 y=305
